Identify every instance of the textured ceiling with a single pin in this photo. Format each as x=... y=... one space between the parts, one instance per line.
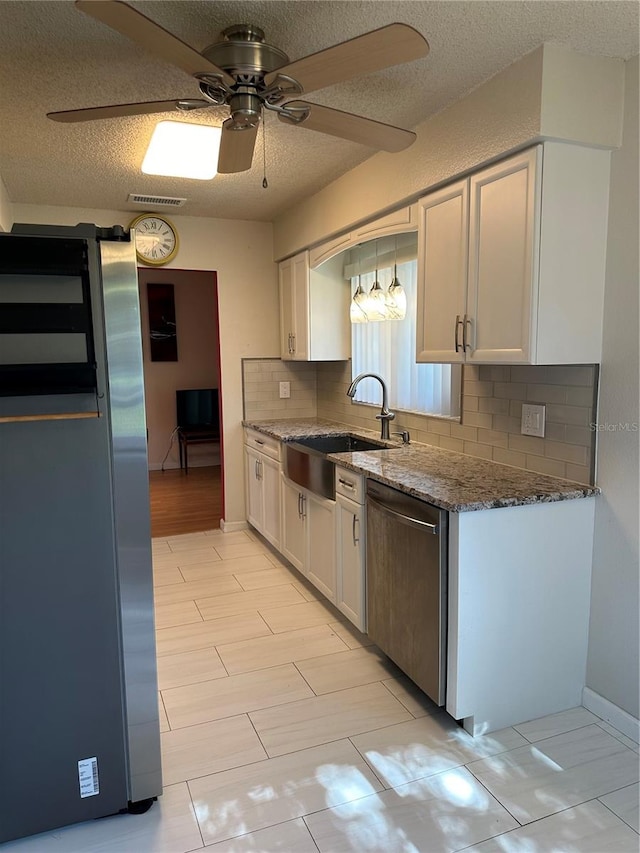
x=53 y=57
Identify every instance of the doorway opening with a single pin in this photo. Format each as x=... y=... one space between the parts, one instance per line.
x=183 y=499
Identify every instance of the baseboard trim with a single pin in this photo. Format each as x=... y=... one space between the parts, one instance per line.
x=619 y=718
x=175 y=466
x=231 y=526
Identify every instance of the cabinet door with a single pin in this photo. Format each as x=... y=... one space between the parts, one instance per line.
x=443 y=229
x=294 y=307
x=350 y=586
x=285 y=274
x=270 y=480
x=255 y=504
x=502 y=260
x=294 y=527
x=300 y=276
x=321 y=535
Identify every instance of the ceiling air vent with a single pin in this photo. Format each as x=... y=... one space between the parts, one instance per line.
x=155 y=200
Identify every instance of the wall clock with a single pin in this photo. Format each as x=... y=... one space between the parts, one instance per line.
x=156 y=239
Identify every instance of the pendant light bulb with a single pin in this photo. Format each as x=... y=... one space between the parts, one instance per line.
x=396 y=298
x=357 y=311
x=377 y=303
x=376 y=307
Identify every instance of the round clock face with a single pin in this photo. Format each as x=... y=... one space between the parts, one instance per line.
x=156 y=239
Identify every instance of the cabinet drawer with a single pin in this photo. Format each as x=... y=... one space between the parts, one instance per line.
x=262 y=443
x=349 y=484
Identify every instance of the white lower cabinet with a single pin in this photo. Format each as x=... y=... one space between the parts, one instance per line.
x=294 y=526
x=350 y=591
x=308 y=536
x=321 y=539
x=518 y=612
x=262 y=476
x=351 y=549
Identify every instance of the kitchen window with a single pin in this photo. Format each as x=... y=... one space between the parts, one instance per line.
x=388 y=347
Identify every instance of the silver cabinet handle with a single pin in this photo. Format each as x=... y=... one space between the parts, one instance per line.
x=257 y=441
x=293 y=343
x=407 y=519
x=356 y=520
x=300 y=505
x=304 y=506
x=466 y=344
x=455 y=332
x=346 y=483
x=255 y=469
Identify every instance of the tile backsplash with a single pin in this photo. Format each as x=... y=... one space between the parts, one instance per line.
x=492 y=399
x=261 y=379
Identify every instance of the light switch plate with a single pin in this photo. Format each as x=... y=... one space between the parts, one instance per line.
x=532 y=419
x=285 y=390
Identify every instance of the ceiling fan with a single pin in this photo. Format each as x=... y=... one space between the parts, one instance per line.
x=247 y=74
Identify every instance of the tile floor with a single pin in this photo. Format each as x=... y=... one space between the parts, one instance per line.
x=283 y=729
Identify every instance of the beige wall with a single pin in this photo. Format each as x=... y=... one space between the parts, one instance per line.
x=241 y=254
x=197 y=365
x=612 y=669
x=552 y=92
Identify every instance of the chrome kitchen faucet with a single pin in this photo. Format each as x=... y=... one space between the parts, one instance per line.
x=385 y=415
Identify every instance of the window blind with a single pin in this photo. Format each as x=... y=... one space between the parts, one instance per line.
x=388 y=348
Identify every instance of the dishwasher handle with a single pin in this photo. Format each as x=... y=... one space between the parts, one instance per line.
x=405 y=519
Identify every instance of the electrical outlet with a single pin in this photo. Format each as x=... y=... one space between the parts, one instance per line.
x=532 y=420
x=285 y=390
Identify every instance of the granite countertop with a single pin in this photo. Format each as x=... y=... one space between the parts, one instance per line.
x=452 y=481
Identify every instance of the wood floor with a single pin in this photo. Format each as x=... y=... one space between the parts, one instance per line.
x=185 y=503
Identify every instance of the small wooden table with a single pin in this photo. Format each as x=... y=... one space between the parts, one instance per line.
x=194 y=435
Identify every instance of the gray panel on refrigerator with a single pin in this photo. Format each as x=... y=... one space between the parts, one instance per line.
x=79 y=731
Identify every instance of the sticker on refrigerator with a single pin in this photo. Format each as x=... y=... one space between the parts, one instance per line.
x=88 y=777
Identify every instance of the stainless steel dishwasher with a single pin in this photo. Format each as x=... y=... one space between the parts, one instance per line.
x=407 y=584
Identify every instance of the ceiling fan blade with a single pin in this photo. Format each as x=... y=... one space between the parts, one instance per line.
x=119 y=110
x=130 y=23
x=236 y=148
x=382 y=48
x=355 y=128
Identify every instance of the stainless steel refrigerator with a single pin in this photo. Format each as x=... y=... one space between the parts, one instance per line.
x=79 y=723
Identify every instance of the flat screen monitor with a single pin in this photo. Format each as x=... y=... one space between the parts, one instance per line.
x=198 y=409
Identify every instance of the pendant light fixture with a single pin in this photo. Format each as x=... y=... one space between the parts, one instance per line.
x=357 y=311
x=376 y=304
x=396 y=297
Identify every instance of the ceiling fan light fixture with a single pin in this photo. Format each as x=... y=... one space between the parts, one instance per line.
x=181 y=150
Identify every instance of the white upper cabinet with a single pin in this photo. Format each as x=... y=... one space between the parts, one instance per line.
x=294 y=307
x=314 y=310
x=443 y=250
x=511 y=261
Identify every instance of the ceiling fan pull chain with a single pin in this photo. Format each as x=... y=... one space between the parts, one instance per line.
x=265 y=183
